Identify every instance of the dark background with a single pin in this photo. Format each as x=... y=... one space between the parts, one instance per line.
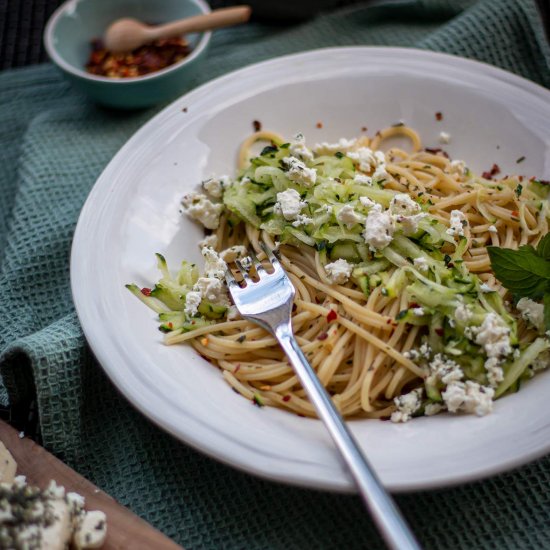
x=22 y=22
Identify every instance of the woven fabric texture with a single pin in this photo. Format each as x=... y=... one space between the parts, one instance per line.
x=53 y=146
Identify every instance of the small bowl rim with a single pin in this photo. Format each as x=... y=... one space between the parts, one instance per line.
x=58 y=60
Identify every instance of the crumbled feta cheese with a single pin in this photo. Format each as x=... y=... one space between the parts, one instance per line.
x=404 y=205
x=469 y=397
x=301 y=219
x=212 y=290
x=422 y=264
x=343 y=146
x=367 y=158
x=541 y=362
x=418 y=311
x=298 y=172
x=297 y=148
x=458 y=223
x=192 y=302
x=463 y=313
x=362 y=179
x=338 y=272
x=380 y=173
x=209 y=240
x=348 y=216
x=201 y=208
x=433 y=408
x=233 y=253
x=366 y=202
x=409 y=224
x=492 y=229
x=215 y=186
x=214 y=266
x=532 y=312
x=494 y=371
x=379 y=228
x=458 y=167
x=444 y=137
x=407 y=405
x=91 y=530
x=289 y=204
x=444 y=369
x=494 y=336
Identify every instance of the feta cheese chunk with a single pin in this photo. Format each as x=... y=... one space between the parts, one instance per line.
x=338 y=272
x=379 y=228
x=444 y=137
x=298 y=172
x=368 y=159
x=402 y=204
x=407 y=405
x=214 y=266
x=422 y=264
x=212 y=290
x=233 y=253
x=366 y=202
x=289 y=204
x=492 y=229
x=348 y=216
x=201 y=208
x=91 y=531
x=532 y=312
x=301 y=219
x=494 y=336
x=469 y=397
x=458 y=222
x=215 y=186
x=297 y=148
x=209 y=240
x=192 y=302
x=362 y=179
x=343 y=146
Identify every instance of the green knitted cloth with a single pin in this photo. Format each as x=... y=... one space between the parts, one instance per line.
x=53 y=146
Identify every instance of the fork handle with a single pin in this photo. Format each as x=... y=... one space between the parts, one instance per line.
x=387 y=516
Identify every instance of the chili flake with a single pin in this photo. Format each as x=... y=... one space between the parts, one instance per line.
x=332 y=316
x=322 y=336
x=204 y=341
x=257 y=125
x=286 y=398
x=439 y=331
x=319 y=125
x=146 y=291
x=439 y=115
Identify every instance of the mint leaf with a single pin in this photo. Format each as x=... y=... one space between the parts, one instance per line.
x=543 y=248
x=523 y=272
x=546 y=303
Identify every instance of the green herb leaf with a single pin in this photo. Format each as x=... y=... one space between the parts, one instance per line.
x=546 y=302
x=543 y=248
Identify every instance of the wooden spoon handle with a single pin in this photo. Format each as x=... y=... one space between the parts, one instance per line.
x=223 y=17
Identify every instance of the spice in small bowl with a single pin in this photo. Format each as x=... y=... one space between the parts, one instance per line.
x=143 y=60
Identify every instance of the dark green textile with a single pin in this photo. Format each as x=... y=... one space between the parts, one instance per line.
x=53 y=146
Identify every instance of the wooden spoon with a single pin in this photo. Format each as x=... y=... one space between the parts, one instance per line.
x=127 y=34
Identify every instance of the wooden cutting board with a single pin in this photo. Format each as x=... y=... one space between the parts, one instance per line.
x=125 y=530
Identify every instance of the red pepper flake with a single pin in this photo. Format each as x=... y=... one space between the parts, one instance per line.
x=332 y=316
x=413 y=304
x=439 y=115
x=364 y=129
x=319 y=125
x=322 y=336
x=170 y=325
x=436 y=151
x=146 y=291
x=184 y=110
x=515 y=213
x=237 y=367
x=388 y=321
x=439 y=331
x=286 y=398
x=495 y=169
x=257 y=125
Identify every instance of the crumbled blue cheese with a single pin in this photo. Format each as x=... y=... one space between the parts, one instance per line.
x=338 y=272
x=379 y=228
x=406 y=405
x=298 y=172
x=343 y=146
x=289 y=204
x=348 y=216
x=469 y=397
x=422 y=264
x=444 y=137
x=532 y=312
x=458 y=222
x=297 y=148
x=201 y=208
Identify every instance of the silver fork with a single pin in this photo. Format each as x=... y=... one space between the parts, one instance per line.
x=268 y=302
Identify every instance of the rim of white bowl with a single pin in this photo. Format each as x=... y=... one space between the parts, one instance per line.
x=58 y=60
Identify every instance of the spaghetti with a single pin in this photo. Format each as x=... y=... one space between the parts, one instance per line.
x=396 y=306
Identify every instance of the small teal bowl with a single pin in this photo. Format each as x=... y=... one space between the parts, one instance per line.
x=71 y=29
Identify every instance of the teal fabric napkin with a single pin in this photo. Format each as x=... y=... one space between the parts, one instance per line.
x=53 y=146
